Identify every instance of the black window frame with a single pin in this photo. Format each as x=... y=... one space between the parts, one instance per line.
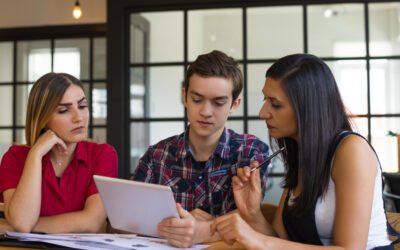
x=118 y=65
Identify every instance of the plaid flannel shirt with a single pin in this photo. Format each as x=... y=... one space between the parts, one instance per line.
x=203 y=185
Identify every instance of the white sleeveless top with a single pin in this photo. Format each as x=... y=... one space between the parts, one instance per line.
x=325 y=216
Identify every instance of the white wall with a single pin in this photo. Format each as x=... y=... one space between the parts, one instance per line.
x=24 y=13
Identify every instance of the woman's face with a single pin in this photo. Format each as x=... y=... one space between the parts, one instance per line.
x=71 y=118
x=277 y=111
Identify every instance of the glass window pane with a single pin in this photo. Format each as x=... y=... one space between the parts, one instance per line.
x=156 y=92
x=267 y=30
x=22 y=103
x=139 y=34
x=236 y=126
x=329 y=32
x=385 y=145
x=384 y=29
x=351 y=78
x=219 y=29
x=100 y=135
x=259 y=129
x=21 y=139
x=156 y=36
x=138 y=98
x=255 y=84
x=274 y=190
x=99 y=58
x=162 y=130
x=5 y=136
x=360 y=125
x=6 y=104
x=145 y=134
x=139 y=142
x=99 y=105
x=385 y=87
x=72 y=56
x=33 y=59
x=6 y=62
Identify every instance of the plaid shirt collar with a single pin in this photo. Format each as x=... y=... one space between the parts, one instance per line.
x=222 y=149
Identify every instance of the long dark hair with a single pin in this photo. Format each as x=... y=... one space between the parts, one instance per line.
x=320 y=114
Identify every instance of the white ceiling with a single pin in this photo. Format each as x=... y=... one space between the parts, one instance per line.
x=25 y=13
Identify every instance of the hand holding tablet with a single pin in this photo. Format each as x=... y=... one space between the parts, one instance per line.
x=136 y=207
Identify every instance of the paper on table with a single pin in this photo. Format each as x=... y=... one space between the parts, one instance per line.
x=100 y=241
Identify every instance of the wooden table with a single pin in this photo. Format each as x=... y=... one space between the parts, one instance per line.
x=393 y=218
x=220 y=245
x=215 y=246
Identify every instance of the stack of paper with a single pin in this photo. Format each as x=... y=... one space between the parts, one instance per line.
x=99 y=241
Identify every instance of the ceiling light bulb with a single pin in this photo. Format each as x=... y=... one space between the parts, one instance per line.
x=328 y=13
x=77 y=11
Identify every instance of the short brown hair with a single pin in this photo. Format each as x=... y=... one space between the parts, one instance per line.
x=43 y=100
x=216 y=64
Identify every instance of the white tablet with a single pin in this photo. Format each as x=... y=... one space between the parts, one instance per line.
x=134 y=206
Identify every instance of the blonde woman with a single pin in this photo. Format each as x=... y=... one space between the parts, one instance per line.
x=47 y=185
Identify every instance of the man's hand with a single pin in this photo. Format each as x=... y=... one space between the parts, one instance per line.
x=186 y=230
x=200 y=215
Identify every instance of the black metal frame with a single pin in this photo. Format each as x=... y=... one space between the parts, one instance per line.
x=118 y=125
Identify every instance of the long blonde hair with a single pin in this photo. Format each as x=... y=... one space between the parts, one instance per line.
x=45 y=96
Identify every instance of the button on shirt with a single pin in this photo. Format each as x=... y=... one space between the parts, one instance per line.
x=205 y=185
x=76 y=183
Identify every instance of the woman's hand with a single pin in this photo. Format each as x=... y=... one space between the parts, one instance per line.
x=247 y=192
x=28 y=193
x=181 y=232
x=47 y=141
x=232 y=228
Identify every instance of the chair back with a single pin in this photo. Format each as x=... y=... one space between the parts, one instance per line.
x=392 y=191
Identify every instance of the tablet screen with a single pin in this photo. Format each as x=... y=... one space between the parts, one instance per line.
x=136 y=207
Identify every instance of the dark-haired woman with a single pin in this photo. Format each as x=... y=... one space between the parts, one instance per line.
x=332 y=194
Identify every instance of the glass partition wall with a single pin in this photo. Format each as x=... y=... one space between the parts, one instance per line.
x=359 y=41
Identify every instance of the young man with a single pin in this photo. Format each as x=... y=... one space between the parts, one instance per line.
x=199 y=164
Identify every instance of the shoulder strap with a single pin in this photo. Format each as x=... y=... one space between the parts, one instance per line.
x=339 y=137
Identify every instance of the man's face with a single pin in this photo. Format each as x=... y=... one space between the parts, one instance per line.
x=208 y=103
